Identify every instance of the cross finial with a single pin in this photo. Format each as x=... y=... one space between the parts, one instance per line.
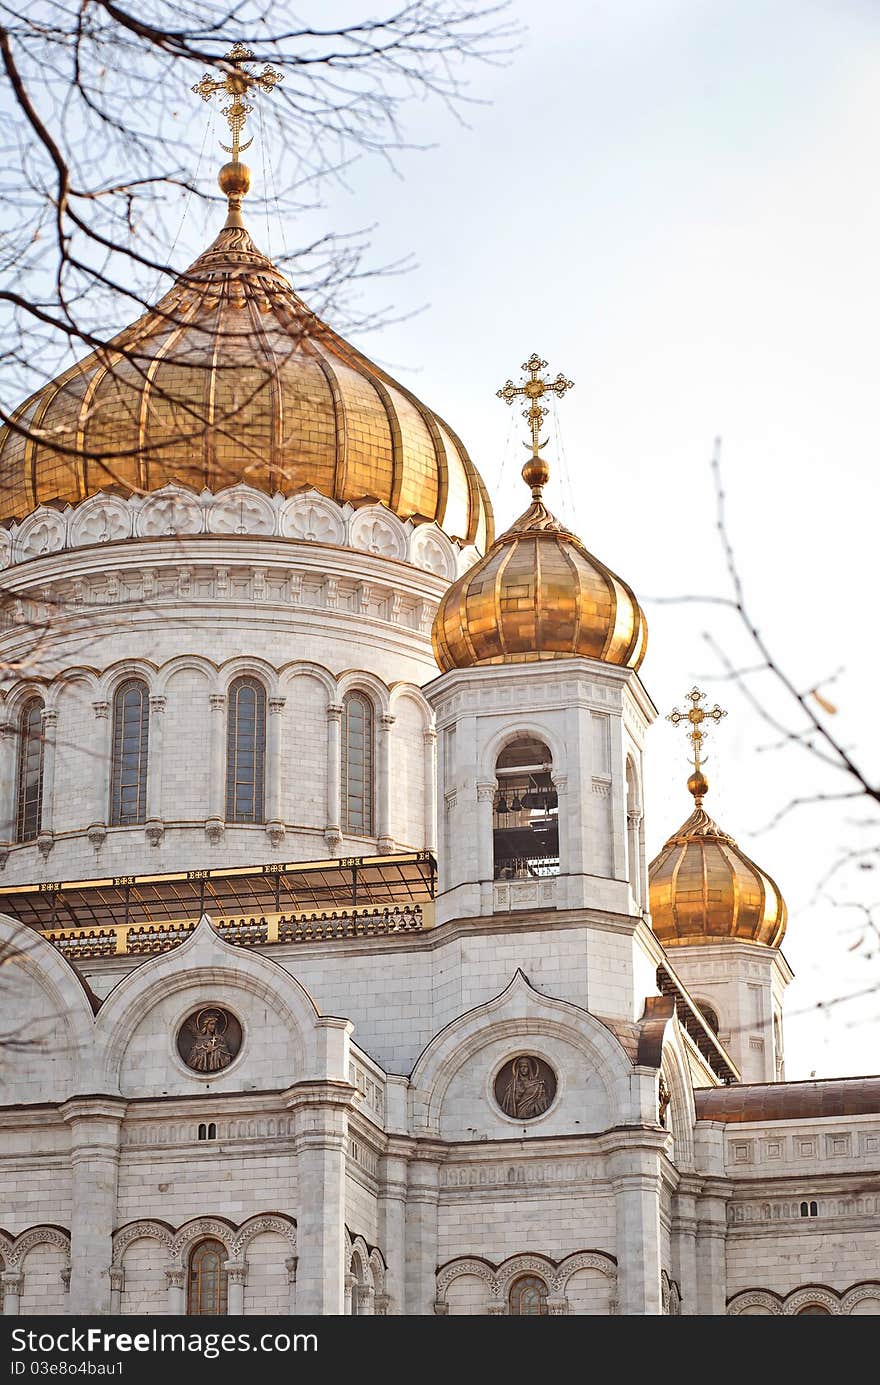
x=695 y=716
x=535 y=472
x=237 y=83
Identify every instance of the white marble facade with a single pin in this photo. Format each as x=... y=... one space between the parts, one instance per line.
x=354 y=1155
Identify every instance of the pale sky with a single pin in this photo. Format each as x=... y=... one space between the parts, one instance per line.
x=676 y=204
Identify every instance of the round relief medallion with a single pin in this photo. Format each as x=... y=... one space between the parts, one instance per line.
x=525 y=1087
x=209 y=1039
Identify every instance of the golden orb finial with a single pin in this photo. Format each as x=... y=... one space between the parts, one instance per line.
x=536 y=472
x=235 y=177
x=695 y=716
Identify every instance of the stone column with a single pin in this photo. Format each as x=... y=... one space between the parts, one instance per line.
x=384 y=839
x=217 y=752
x=236 y=1279
x=365 y=1296
x=155 y=827
x=333 y=830
x=175 y=1283
x=97 y=830
x=392 y=1226
x=423 y=1196
x=485 y=794
x=684 y=1247
x=8 y=782
x=711 y=1266
x=94 y=1156
x=321 y=1136
x=117 y=1281
x=290 y=1265
x=12 y=1282
x=46 y=838
x=274 y=814
x=349 y=1298
x=634 y=1170
x=430 y=788
x=633 y=833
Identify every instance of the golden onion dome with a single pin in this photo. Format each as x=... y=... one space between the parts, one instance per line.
x=538 y=594
x=704 y=889
x=231 y=378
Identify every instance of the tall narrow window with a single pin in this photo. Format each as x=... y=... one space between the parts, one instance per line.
x=30 y=771
x=131 y=730
x=525 y=826
x=357 y=765
x=528 y=1297
x=207 y=1287
x=246 y=751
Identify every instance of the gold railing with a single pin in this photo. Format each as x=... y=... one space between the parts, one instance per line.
x=120 y=939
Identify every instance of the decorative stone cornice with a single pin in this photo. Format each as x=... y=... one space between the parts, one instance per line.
x=176 y=512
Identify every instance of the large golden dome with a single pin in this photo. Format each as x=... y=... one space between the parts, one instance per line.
x=231 y=378
x=704 y=889
x=538 y=594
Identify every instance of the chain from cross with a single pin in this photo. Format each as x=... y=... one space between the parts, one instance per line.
x=695 y=716
x=237 y=83
x=533 y=390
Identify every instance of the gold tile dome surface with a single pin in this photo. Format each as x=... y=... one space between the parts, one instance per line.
x=232 y=378
x=538 y=594
x=704 y=889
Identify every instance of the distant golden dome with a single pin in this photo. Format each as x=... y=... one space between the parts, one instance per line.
x=704 y=889
x=231 y=378
x=538 y=594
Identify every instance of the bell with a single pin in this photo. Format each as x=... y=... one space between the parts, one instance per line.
x=501 y=804
x=517 y=804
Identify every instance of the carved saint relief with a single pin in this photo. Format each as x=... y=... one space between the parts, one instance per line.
x=209 y=1039
x=525 y=1087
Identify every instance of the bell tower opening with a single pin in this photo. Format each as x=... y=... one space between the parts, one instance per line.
x=525 y=813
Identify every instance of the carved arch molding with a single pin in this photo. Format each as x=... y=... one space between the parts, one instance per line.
x=498 y=1278
x=820 y=1296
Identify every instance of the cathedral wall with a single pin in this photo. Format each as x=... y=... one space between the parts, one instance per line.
x=188 y=617
x=267 y=1287
x=788 y=1259
x=208 y=1180
x=35 y=1191
x=44 y=1065
x=186 y=761
x=270 y=1054
x=582 y=1104
x=522 y=1217
x=304 y=755
x=42 y=1289
x=398 y=999
x=144 y=1286
x=408 y=777
x=361 y=1210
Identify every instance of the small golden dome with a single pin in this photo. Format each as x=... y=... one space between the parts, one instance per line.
x=704 y=889
x=538 y=594
x=231 y=378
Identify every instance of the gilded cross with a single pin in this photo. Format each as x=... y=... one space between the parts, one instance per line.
x=237 y=82
x=695 y=716
x=534 y=389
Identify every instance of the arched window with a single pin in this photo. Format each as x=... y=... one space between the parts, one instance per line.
x=525 y=815
x=528 y=1297
x=357 y=764
x=811 y=1308
x=246 y=751
x=634 y=829
x=207 y=1286
x=30 y=771
x=128 y=777
x=709 y=1016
